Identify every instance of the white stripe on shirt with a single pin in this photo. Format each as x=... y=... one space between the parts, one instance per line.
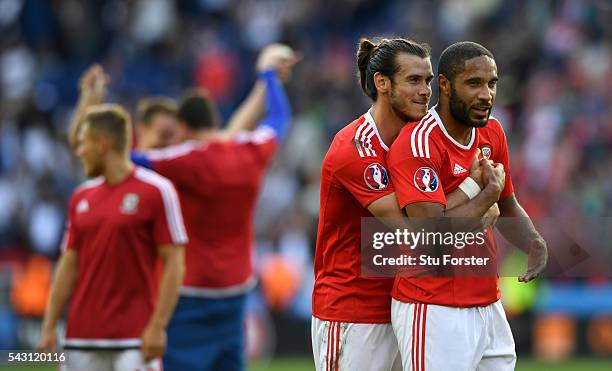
x=171 y=203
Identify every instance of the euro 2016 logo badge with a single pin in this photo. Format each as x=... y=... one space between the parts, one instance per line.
x=426 y=179
x=376 y=177
x=486 y=152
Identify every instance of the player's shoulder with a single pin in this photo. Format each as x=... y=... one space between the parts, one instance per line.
x=358 y=140
x=177 y=150
x=418 y=139
x=493 y=129
x=84 y=189
x=495 y=124
x=88 y=185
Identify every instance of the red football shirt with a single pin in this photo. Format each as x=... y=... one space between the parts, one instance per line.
x=116 y=230
x=427 y=163
x=353 y=176
x=218 y=184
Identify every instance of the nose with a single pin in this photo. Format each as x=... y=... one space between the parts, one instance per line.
x=486 y=94
x=425 y=89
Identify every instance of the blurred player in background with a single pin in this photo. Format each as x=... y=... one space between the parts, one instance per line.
x=351 y=327
x=118 y=224
x=218 y=173
x=156 y=117
x=458 y=323
x=157 y=122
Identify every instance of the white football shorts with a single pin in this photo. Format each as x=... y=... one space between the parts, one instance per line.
x=344 y=346
x=435 y=337
x=108 y=360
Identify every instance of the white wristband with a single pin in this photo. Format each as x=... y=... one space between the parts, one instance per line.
x=470 y=187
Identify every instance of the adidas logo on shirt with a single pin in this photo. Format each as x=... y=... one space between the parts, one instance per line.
x=458 y=170
x=82 y=206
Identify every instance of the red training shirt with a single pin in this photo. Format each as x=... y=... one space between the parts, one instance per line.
x=116 y=230
x=353 y=176
x=427 y=163
x=218 y=183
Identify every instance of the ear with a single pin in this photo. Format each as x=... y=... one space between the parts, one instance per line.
x=445 y=85
x=103 y=143
x=382 y=83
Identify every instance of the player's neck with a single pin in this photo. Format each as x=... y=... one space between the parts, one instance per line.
x=204 y=135
x=117 y=168
x=387 y=122
x=460 y=132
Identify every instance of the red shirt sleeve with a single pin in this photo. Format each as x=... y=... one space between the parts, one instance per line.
x=416 y=177
x=502 y=157
x=70 y=238
x=366 y=178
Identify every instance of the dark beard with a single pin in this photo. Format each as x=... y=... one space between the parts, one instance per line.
x=461 y=111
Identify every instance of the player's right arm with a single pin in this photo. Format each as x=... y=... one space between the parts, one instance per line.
x=61 y=290
x=351 y=172
x=494 y=176
x=63 y=283
x=382 y=203
x=388 y=206
x=92 y=90
x=427 y=198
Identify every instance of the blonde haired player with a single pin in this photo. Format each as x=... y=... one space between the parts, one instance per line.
x=119 y=223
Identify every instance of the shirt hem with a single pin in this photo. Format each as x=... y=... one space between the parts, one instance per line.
x=353 y=320
x=443 y=303
x=219 y=292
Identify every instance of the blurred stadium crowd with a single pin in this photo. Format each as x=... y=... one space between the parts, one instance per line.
x=554 y=99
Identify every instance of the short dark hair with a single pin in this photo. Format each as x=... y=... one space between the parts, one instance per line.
x=197 y=110
x=381 y=56
x=452 y=61
x=149 y=107
x=113 y=120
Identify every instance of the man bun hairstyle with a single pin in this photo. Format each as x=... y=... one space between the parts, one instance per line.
x=452 y=60
x=381 y=56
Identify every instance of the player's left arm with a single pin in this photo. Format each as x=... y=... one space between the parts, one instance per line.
x=514 y=222
x=64 y=282
x=154 y=335
x=516 y=227
x=267 y=104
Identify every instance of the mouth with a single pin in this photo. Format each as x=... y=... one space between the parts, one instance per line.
x=481 y=110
